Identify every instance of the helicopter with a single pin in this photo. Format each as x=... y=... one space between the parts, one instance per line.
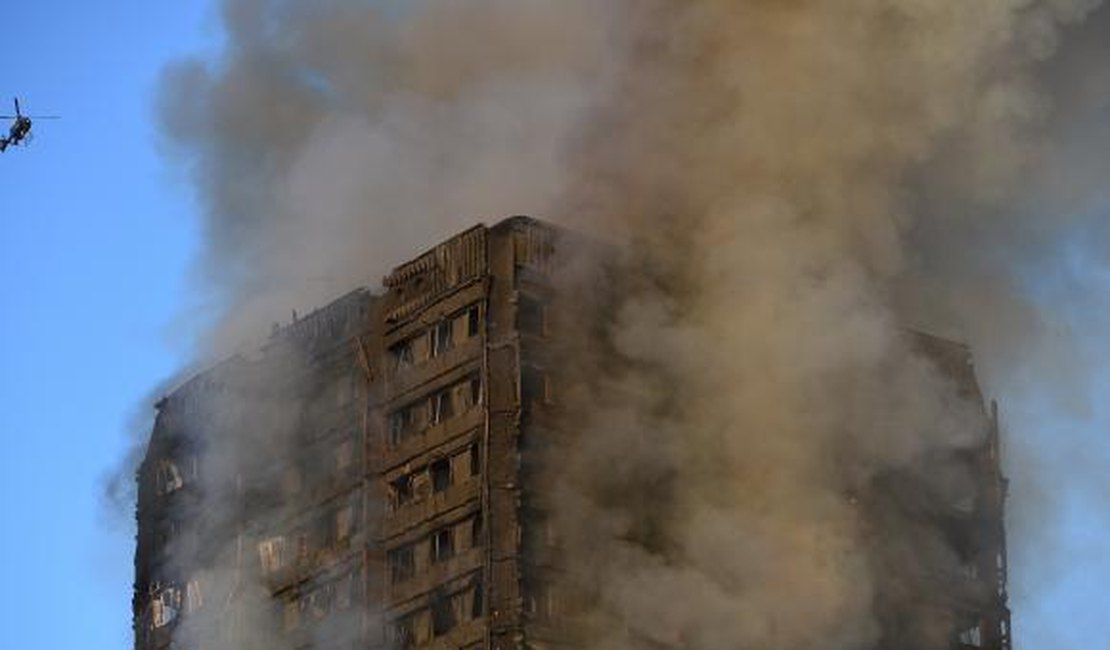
x=21 y=127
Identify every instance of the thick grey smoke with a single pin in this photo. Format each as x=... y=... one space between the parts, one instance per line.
x=793 y=181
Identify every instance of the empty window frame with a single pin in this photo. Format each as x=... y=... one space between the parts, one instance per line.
x=443 y=545
x=401 y=424
x=477 y=600
x=475 y=455
x=443 y=615
x=402 y=563
x=443 y=406
x=473 y=322
x=437 y=339
x=409 y=630
x=441 y=474
x=473 y=391
x=438 y=407
x=421 y=485
x=402 y=633
x=448 y=611
x=400 y=491
x=464 y=324
x=476 y=524
x=401 y=355
x=437 y=477
x=441 y=338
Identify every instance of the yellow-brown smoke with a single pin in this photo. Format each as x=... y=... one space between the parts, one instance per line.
x=787 y=180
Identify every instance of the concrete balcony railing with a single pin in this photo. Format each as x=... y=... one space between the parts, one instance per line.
x=313 y=563
x=435 y=575
x=416 y=443
x=412 y=376
x=462 y=635
x=415 y=513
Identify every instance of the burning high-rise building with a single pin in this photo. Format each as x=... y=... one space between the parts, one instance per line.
x=377 y=475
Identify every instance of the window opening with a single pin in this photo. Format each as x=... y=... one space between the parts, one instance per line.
x=443 y=546
x=402 y=564
x=443 y=407
x=443 y=616
x=168 y=477
x=401 y=354
x=441 y=338
x=530 y=316
x=472 y=321
x=441 y=475
x=475 y=461
x=401 y=491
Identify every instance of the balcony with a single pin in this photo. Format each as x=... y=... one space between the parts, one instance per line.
x=417 y=443
x=414 y=513
x=410 y=377
x=435 y=575
x=463 y=635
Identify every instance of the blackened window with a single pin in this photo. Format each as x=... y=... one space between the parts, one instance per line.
x=443 y=616
x=404 y=636
x=476 y=531
x=441 y=475
x=400 y=421
x=401 y=490
x=441 y=338
x=475 y=386
x=530 y=316
x=402 y=563
x=477 y=603
x=401 y=354
x=168 y=477
x=475 y=460
x=443 y=545
x=533 y=387
x=472 y=321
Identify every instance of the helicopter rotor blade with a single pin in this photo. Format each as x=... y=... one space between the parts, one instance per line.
x=16 y=100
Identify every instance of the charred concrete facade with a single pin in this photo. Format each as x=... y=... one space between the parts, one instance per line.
x=366 y=478
x=970 y=600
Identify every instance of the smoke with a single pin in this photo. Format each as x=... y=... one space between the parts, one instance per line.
x=789 y=184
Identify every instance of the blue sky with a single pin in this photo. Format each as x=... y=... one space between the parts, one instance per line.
x=96 y=235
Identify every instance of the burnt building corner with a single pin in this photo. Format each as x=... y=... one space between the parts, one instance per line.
x=361 y=480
